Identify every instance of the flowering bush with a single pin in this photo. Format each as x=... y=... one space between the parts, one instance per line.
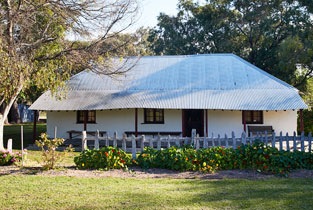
x=180 y=159
x=105 y=158
x=8 y=158
x=256 y=157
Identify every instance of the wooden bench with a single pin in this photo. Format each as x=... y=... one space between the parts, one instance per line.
x=154 y=133
x=79 y=133
x=261 y=129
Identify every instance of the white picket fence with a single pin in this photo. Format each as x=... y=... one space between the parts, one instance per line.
x=286 y=142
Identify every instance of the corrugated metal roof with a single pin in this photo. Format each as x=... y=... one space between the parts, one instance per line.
x=214 y=81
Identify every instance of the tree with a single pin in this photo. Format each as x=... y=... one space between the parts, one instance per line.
x=195 y=29
x=34 y=50
x=275 y=35
x=128 y=44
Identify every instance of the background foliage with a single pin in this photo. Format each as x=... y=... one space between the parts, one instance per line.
x=275 y=35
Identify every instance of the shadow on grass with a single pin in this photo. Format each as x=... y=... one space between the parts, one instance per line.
x=15 y=170
x=220 y=194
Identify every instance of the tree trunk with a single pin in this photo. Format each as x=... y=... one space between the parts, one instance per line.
x=1 y=132
x=15 y=114
x=5 y=111
x=6 y=121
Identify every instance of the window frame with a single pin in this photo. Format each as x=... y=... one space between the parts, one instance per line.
x=78 y=121
x=252 y=117
x=154 y=117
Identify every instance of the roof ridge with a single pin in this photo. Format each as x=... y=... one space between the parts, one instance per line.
x=186 y=55
x=264 y=72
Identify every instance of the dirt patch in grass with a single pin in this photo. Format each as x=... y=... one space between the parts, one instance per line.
x=136 y=172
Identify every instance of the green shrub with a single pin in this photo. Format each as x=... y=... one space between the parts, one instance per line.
x=50 y=157
x=9 y=158
x=179 y=159
x=256 y=157
x=105 y=158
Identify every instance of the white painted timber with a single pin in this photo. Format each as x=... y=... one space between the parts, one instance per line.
x=219 y=122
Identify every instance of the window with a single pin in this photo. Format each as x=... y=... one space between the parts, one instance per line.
x=253 y=117
x=91 y=116
x=154 y=116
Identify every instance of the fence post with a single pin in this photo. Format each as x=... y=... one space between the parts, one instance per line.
x=124 y=142
x=266 y=138
x=168 y=141
x=84 y=140
x=274 y=140
x=281 y=141
x=294 y=141
x=133 y=147
x=251 y=137
x=55 y=132
x=310 y=142
x=197 y=142
x=177 y=141
x=219 y=140
x=115 y=139
x=97 y=140
x=226 y=141
x=287 y=142
x=213 y=142
x=143 y=138
x=159 y=142
x=9 y=146
x=193 y=135
x=302 y=141
x=107 y=140
x=151 y=142
x=234 y=139
x=205 y=143
x=243 y=138
x=22 y=145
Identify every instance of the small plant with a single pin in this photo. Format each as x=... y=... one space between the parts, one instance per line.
x=9 y=158
x=105 y=158
x=50 y=157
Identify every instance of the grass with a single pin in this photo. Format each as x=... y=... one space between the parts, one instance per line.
x=14 y=132
x=61 y=192
x=44 y=192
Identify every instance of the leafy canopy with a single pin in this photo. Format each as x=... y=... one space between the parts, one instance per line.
x=275 y=35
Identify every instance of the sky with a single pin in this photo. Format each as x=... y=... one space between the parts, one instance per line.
x=148 y=14
x=150 y=10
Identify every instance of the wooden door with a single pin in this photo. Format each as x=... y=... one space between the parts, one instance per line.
x=193 y=119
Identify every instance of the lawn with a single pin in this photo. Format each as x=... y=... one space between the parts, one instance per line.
x=14 y=132
x=41 y=191
x=46 y=192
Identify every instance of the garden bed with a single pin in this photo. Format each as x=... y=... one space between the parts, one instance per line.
x=136 y=172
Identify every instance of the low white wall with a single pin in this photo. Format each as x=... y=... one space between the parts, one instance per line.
x=224 y=122
x=219 y=122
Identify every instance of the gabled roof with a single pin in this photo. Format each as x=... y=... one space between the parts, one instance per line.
x=212 y=81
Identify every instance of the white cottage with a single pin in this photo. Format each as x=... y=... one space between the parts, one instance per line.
x=171 y=95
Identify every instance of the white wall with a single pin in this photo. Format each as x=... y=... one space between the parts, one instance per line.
x=219 y=122
x=110 y=121
x=224 y=122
